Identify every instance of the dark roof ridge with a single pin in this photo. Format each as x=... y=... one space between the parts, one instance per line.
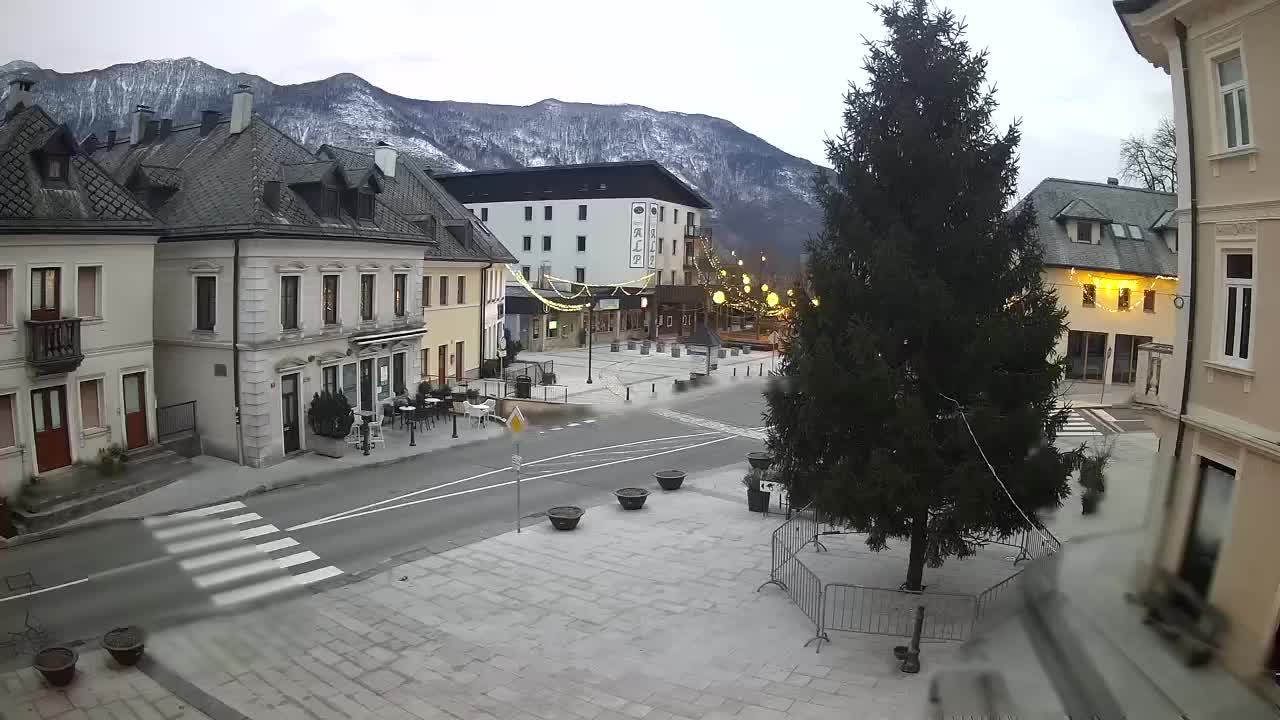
x=571 y=166
x=1106 y=185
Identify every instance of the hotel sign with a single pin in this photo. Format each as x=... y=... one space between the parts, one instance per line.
x=639 y=235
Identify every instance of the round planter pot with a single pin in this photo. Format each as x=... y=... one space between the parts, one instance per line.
x=760 y=460
x=613 y=347
x=57 y=665
x=125 y=644
x=662 y=346
x=565 y=517
x=669 y=479
x=722 y=353
x=757 y=500
x=631 y=344
x=631 y=498
x=734 y=352
x=746 y=349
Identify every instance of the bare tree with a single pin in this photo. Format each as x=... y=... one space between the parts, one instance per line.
x=1152 y=161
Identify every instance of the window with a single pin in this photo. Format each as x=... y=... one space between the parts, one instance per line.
x=1235 y=102
x=1118 y=230
x=528 y=213
x=546 y=243
x=1135 y=232
x=8 y=428
x=1084 y=232
x=660 y=241
x=399 y=288
x=484 y=214
x=426 y=358
x=55 y=167
x=662 y=213
x=364 y=206
x=1122 y=299
x=90 y=404
x=688 y=249
x=329 y=299
x=673 y=277
x=580 y=275
x=426 y=291
x=673 y=246
x=444 y=290
x=1090 y=295
x=329 y=202
x=675 y=216
x=397 y=372
x=329 y=379
x=582 y=243
x=206 y=302
x=1149 y=301
x=524 y=270
x=582 y=212
x=366 y=297
x=528 y=243
x=553 y=328
x=1211 y=519
x=546 y=212
x=88 y=281
x=46 y=291
x=349 y=387
x=383 y=378
x=289 y=302
x=6 y=288
x=1238 y=315
x=462 y=289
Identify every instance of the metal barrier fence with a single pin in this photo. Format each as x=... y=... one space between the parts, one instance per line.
x=1032 y=544
x=882 y=611
x=175 y=419
x=491 y=387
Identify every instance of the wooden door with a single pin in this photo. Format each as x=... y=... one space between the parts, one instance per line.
x=49 y=423
x=457 y=362
x=135 y=410
x=46 y=294
x=289 y=412
x=442 y=362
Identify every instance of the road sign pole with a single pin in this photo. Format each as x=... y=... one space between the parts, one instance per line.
x=516 y=464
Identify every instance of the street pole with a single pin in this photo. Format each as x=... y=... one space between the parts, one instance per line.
x=515 y=463
x=591 y=331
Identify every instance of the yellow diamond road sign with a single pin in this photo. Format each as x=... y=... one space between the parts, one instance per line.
x=516 y=422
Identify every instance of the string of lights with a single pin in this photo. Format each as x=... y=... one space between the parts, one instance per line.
x=1104 y=284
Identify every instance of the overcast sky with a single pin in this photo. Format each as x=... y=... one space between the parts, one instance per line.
x=1064 y=66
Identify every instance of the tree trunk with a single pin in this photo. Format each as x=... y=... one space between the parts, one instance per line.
x=919 y=542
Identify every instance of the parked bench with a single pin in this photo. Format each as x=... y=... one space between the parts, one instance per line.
x=1184 y=618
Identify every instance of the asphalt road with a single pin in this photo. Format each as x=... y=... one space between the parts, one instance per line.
x=225 y=557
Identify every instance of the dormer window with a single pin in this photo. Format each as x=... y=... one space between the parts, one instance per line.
x=329 y=202
x=364 y=206
x=55 y=168
x=1084 y=232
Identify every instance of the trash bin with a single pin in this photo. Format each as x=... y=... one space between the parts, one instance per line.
x=524 y=387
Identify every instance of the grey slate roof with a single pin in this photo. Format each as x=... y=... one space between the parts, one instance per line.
x=415 y=195
x=90 y=199
x=1117 y=204
x=1080 y=210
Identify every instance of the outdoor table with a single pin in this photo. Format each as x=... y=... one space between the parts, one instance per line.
x=406 y=414
x=434 y=402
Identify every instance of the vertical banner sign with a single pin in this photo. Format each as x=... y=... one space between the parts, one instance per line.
x=653 y=235
x=638 y=239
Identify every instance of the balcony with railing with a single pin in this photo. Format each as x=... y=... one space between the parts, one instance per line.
x=697 y=231
x=53 y=346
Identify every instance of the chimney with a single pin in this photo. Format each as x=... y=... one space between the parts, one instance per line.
x=166 y=126
x=208 y=119
x=151 y=131
x=111 y=138
x=138 y=124
x=241 y=109
x=1113 y=181
x=19 y=95
x=384 y=156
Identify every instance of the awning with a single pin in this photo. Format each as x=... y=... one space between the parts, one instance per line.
x=390 y=336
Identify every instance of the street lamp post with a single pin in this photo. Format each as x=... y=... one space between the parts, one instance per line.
x=591 y=331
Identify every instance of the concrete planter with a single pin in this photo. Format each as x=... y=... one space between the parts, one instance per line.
x=669 y=479
x=631 y=344
x=125 y=644
x=631 y=498
x=57 y=665
x=734 y=352
x=565 y=517
x=722 y=353
x=662 y=346
x=614 y=346
x=327 y=446
x=746 y=349
x=644 y=348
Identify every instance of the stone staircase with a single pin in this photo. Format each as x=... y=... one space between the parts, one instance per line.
x=80 y=490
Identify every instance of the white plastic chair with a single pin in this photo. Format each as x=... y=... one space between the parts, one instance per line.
x=375 y=434
x=493 y=408
x=476 y=413
x=353 y=435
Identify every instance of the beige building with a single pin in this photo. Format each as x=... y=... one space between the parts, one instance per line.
x=281 y=273
x=1110 y=252
x=76 y=250
x=1218 y=475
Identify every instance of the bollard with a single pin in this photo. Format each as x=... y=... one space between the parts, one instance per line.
x=412 y=425
x=653 y=387
x=628 y=393
x=761 y=373
x=364 y=434
x=748 y=371
x=455 y=424
x=735 y=372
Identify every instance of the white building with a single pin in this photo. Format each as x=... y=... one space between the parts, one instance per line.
x=76 y=251
x=599 y=224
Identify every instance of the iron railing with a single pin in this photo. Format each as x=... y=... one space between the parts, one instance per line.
x=493 y=387
x=883 y=611
x=175 y=419
x=53 y=346
x=697 y=231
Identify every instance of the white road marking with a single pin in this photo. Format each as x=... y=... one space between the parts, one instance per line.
x=488 y=473
x=574 y=424
x=242 y=519
x=208 y=541
x=1106 y=416
x=256 y=591
x=186 y=514
x=323 y=573
x=234 y=574
x=588 y=422
x=297 y=559
x=44 y=590
x=258 y=531
x=334 y=519
x=275 y=545
x=194 y=528
x=218 y=558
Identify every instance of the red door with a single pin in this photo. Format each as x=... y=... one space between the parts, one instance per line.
x=135 y=410
x=442 y=362
x=49 y=421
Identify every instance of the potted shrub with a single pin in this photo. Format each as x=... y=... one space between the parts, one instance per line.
x=669 y=479
x=330 y=419
x=125 y=644
x=1089 y=501
x=108 y=464
x=1093 y=467
x=631 y=498
x=757 y=499
x=565 y=517
x=57 y=664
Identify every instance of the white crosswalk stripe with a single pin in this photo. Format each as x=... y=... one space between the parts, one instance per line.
x=1078 y=426
x=219 y=548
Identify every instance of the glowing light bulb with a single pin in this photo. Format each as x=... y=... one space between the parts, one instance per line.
x=739 y=262
x=746 y=289
x=718 y=297
x=791 y=293
x=764 y=288
x=746 y=279
x=815 y=302
x=772 y=299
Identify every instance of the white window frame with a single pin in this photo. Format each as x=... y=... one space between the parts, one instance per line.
x=195 y=301
x=1232 y=91
x=98 y=282
x=9 y=324
x=297 y=305
x=407 y=305
x=14 y=414
x=1220 y=308
x=373 y=314
x=337 y=310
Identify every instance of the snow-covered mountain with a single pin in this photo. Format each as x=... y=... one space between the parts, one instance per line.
x=763 y=196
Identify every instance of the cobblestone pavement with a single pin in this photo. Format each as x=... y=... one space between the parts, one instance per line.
x=102 y=690
x=651 y=615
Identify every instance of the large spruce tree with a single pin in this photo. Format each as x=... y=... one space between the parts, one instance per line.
x=927 y=301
